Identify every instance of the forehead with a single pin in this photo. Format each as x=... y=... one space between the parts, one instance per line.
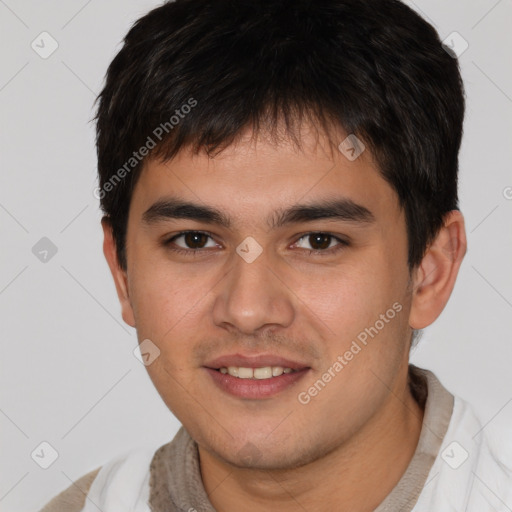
x=256 y=178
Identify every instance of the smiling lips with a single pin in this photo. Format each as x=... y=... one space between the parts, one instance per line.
x=255 y=377
x=266 y=372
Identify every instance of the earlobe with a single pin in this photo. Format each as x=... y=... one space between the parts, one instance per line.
x=435 y=277
x=119 y=275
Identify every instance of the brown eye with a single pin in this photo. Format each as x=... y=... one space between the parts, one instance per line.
x=191 y=241
x=195 y=240
x=320 y=243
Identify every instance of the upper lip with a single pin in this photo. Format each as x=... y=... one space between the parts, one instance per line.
x=254 y=361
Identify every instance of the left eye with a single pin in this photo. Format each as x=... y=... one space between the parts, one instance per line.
x=319 y=241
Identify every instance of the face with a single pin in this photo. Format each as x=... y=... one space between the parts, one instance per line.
x=327 y=289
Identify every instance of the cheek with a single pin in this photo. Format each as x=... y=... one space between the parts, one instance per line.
x=360 y=309
x=346 y=299
x=164 y=297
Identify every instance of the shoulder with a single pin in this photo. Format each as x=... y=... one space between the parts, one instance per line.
x=473 y=469
x=120 y=482
x=72 y=499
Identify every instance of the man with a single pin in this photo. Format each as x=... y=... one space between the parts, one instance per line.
x=279 y=183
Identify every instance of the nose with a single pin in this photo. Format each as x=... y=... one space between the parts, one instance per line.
x=252 y=297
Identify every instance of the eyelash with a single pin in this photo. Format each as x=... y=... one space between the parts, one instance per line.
x=318 y=252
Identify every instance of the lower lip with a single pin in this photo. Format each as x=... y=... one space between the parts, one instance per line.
x=255 y=388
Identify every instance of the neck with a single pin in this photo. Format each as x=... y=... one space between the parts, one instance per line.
x=357 y=475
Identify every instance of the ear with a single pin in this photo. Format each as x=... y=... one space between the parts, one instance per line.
x=119 y=275
x=435 y=277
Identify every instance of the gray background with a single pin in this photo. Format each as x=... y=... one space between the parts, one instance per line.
x=68 y=373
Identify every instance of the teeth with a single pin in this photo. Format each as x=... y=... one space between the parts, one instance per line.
x=255 y=373
x=277 y=370
x=244 y=373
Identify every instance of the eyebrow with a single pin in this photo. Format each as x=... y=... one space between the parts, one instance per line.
x=342 y=209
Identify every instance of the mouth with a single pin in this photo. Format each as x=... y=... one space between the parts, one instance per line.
x=255 y=376
x=261 y=373
x=255 y=383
